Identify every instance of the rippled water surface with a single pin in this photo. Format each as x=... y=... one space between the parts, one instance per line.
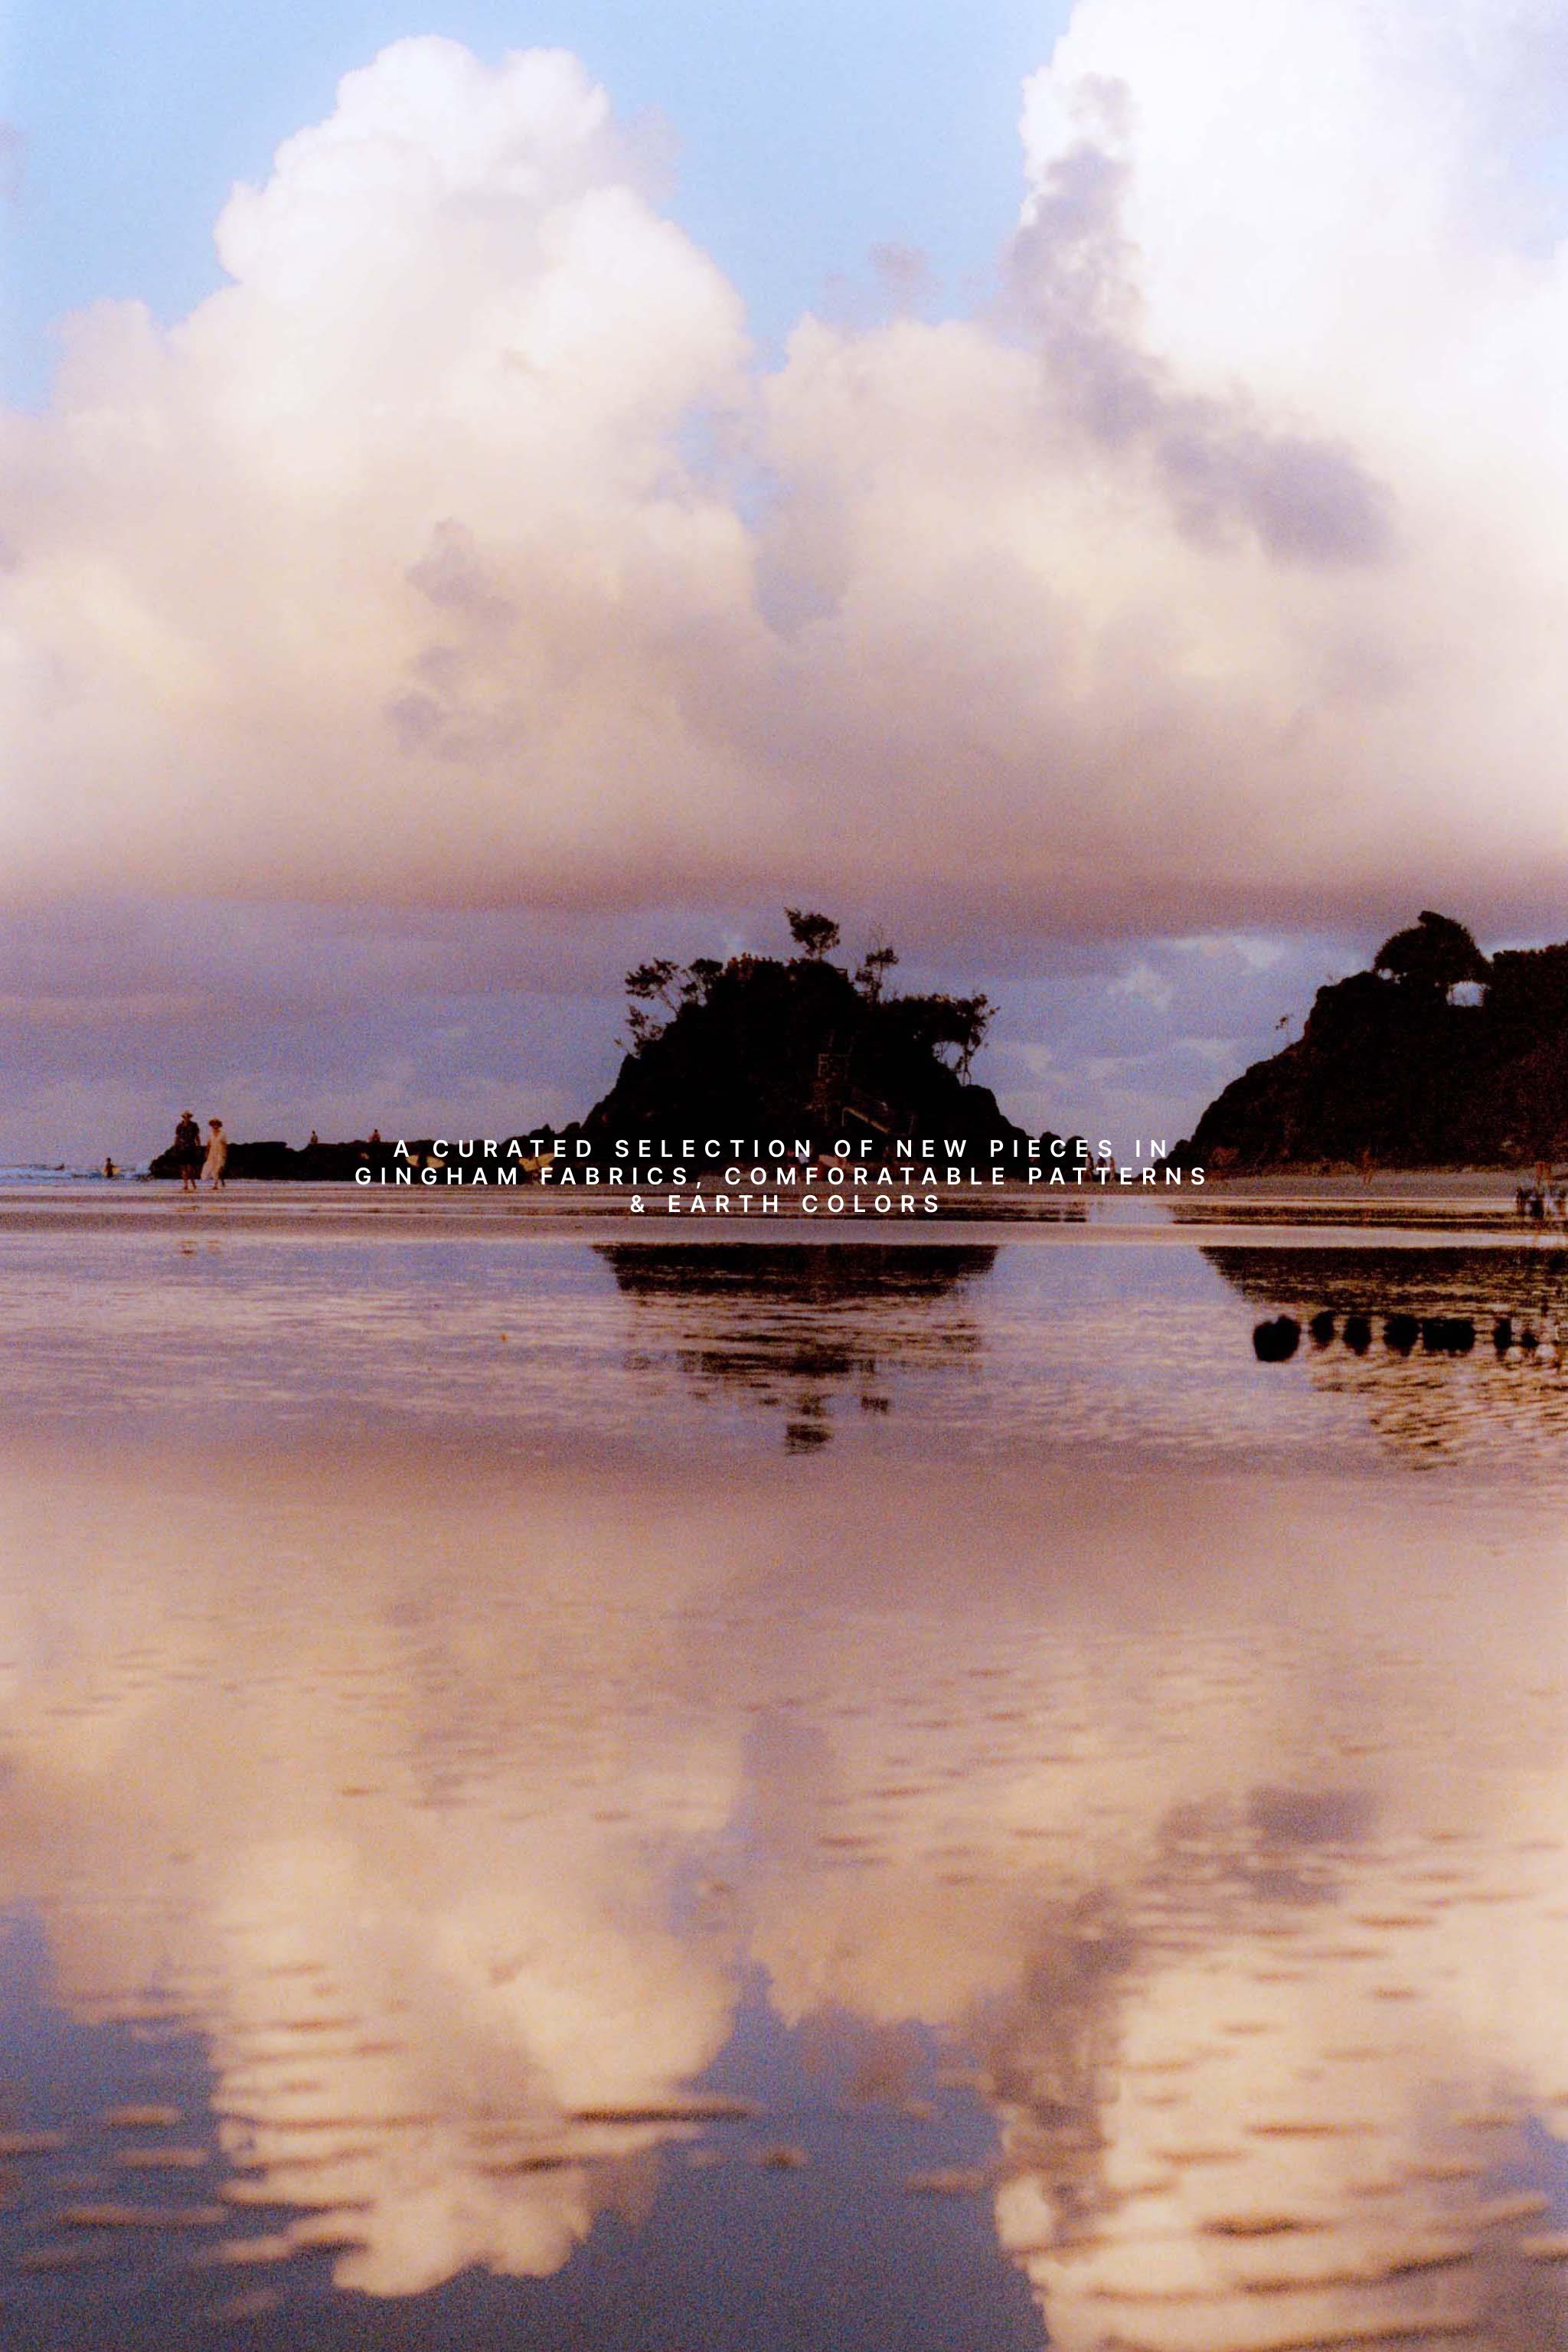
x=781 y=1797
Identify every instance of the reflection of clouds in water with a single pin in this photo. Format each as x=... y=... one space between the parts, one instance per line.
x=458 y=2057
x=1292 y=2140
x=363 y=1843
x=1424 y=1397
x=1212 y=1820
x=1251 y=2035
x=791 y=1326
x=1251 y=2095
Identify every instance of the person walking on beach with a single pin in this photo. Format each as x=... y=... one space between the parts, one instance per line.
x=187 y=1150
x=217 y=1154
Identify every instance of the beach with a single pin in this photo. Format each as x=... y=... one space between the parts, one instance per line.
x=567 y=1787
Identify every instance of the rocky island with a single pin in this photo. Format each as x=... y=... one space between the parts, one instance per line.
x=1438 y=1056
x=798 y=1046
x=794 y=1047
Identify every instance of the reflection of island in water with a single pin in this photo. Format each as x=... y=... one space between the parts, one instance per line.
x=1386 y=1335
x=790 y=1326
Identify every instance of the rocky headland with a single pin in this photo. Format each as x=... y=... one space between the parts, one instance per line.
x=1438 y=1056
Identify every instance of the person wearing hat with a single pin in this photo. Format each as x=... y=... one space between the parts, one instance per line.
x=188 y=1150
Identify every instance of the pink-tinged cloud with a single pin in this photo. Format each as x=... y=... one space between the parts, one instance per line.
x=457 y=553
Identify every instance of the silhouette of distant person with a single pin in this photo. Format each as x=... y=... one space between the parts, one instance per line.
x=108 y=1167
x=217 y=1154
x=188 y=1150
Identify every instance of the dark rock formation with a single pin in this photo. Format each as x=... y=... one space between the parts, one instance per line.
x=1276 y=1342
x=1437 y=1057
x=750 y=1051
x=797 y=1049
x=319 y=1163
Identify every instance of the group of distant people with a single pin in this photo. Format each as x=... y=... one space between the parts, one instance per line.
x=1547 y=1197
x=196 y=1166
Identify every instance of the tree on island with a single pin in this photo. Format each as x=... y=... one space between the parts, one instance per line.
x=813 y=934
x=1434 y=955
x=875 y=965
x=798 y=1047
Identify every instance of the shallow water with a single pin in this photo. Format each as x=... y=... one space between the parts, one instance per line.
x=565 y=1792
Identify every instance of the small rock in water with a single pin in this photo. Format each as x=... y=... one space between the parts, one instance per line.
x=1322 y=1327
x=1401 y=1333
x=1502 y=1334
x=1276 y=1342
x=1357 y=1334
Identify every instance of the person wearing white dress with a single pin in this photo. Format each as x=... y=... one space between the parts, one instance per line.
x=217 y=1154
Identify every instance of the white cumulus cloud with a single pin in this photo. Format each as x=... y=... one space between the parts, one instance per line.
x=456 y=553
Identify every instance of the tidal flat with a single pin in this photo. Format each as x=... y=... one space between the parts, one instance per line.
x=564 y=1791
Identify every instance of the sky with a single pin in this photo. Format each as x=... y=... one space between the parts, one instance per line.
x=488 y=494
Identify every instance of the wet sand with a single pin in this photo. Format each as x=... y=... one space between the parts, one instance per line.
x=559 y=1791
x=1475 y=1203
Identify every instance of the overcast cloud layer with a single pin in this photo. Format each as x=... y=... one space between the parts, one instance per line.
x=453 y=554
x=459 y=556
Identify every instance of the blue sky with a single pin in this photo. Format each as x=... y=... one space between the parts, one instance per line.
x=802 y=132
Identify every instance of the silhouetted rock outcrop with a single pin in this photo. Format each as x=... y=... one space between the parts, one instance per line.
x=758 y=1048
x=1276 y=1342
x=747 y=1052
x=1437 y=1057
x=322 y=1163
